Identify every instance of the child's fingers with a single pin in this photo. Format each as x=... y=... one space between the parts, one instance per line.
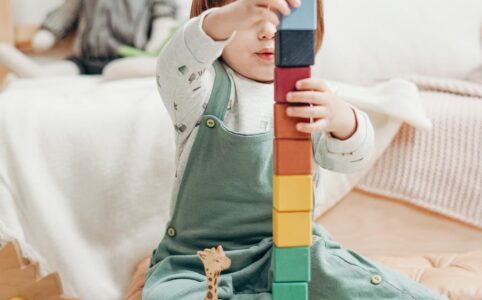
x=313 y=111
x=312 y=83
x=278 y=5
x=320 y=125
x=269 y=16
x=310 y=97
x=294 y=3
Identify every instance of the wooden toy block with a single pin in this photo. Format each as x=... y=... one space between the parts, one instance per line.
x=292 y=229
x=301 y=18
x=285 y=126
x=292 y=157
x=295 y=48
x=293 y=193
x=285 y=81
x=291 y=264
x=290 y=291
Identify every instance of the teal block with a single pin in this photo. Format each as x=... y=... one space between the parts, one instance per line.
x=290 y=291
x=301 y=18
x=291 y=264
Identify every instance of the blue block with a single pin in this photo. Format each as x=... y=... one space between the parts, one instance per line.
x=301 y=18
x=290 y=291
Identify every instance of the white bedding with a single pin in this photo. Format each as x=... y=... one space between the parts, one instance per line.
x=86 y=168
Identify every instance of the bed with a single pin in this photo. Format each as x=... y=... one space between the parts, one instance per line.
x=86 y=164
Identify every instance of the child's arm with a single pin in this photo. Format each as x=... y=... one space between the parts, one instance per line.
x=242 y=14
x=185 y=74
x=57 y=25
x=349 y=155
x=343 y=137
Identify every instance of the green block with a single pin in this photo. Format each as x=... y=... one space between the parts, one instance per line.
x=290 y=291
x=291 y=264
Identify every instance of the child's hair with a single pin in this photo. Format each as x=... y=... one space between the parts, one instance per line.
x=198 y=6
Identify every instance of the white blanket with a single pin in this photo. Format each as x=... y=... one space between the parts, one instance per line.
x=86 y=168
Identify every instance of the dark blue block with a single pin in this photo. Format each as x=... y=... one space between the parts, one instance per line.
x=295 y=48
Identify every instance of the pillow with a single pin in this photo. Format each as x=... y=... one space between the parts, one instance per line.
x=367 y=41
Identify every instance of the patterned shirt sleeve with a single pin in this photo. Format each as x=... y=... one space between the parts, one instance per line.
x=185 y=74
x=346 y=156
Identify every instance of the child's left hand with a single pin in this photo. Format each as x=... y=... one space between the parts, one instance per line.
x=331 y=114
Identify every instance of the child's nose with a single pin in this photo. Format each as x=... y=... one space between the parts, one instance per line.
x=267 y=31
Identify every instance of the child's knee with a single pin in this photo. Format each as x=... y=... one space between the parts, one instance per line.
x=175 y=289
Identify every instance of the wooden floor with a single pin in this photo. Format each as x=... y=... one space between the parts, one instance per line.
x=374 y=225
x=19 y=278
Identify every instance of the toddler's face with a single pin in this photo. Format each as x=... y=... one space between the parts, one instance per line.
x=251 y=52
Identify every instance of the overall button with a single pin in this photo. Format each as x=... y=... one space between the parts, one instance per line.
x=210 y=123
x=171 y=232
x=376 y=279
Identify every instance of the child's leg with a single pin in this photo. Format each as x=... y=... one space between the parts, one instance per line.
x=339 y=273
x=24 y=67
x=132 y=67
x=18 y=63
x=185 y=286
x=175 y=289
x=259 y=296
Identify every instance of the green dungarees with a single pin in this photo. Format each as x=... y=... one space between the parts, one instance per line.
x=225 y=198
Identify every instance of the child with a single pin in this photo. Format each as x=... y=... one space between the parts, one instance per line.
x=103 y=28
x=215 y=78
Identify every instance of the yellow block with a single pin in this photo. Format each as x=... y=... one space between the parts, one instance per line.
x=293 y=193
x=292 y=229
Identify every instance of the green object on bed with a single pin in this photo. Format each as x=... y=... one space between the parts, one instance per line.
x=128 y=51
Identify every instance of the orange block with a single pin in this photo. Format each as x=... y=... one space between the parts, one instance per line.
x=285 y=126
x=292 y=157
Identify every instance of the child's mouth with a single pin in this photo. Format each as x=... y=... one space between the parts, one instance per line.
x=266 y=55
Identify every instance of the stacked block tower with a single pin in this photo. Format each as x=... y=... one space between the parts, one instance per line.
x=292 y=158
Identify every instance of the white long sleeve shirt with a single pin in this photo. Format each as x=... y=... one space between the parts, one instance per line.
x=185 y=77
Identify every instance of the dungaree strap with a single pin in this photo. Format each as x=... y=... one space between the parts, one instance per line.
x=219 y=100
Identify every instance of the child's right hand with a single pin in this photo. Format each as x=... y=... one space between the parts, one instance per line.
x=242 y=14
